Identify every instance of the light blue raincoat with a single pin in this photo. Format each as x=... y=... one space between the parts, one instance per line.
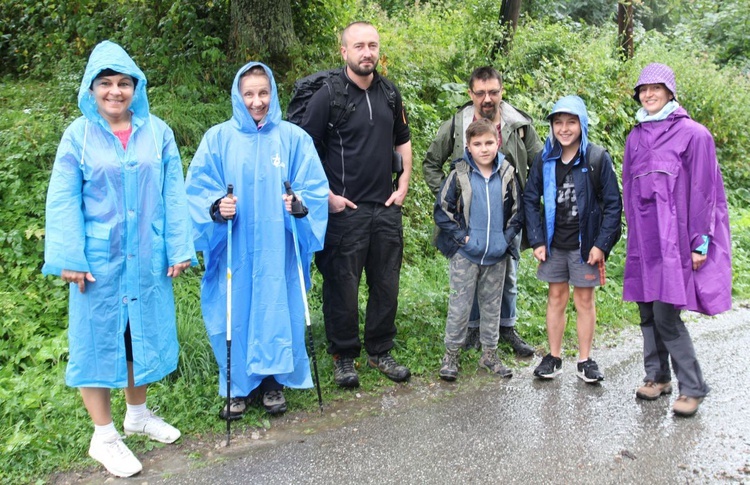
x=121 y=215
x=268 y=323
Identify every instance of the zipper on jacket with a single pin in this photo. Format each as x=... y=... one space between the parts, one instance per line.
x=369 y=106
x=343 y=167
x=489 y=218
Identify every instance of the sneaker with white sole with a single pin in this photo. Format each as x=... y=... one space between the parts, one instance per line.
x=152 y=426
x=588 y=371
x=549 y=367
x=115 y=456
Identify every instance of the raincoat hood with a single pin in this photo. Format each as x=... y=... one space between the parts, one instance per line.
x=108 y=55
x=241 y=116
x=572 y=105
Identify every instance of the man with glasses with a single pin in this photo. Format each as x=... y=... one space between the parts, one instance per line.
x=519 y=143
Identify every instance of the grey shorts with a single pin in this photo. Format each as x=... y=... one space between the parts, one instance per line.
x=565 y=266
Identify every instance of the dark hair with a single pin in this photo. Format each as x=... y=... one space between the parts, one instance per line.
x=358 y=22
x=111 y=72
x=480 y=127
x=485 y=73
x=256 y=70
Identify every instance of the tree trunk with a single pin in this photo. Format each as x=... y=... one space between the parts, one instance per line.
x=261 y=30
x=509 y=12
x=625 y=29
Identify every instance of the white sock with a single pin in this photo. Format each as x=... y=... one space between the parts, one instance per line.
x=136 y=412
x=106 y=433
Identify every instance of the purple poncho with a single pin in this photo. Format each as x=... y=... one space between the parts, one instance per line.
x=673 y=194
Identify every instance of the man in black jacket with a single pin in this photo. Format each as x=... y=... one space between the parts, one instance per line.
x=364 y=227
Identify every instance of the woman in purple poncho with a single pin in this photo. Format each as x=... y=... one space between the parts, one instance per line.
x=678 y=245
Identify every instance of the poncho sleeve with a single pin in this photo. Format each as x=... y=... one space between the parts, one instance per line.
x=179 y=227
x=65 y=234
x=204 y=185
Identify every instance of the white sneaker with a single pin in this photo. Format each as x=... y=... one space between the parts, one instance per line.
x=152 y=426
x=115 y=456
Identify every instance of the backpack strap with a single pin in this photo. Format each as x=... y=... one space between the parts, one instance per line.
x=339 y=107
x=595 y=159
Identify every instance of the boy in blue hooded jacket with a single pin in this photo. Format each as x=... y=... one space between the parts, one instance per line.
x=479 y=210
x=575 y=185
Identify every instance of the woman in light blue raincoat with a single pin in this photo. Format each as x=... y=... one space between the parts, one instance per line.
x=118 y=230
x=257 y=152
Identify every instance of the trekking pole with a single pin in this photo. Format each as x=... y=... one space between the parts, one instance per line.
x=602 y=273
x=311 y=344
x=230 y=189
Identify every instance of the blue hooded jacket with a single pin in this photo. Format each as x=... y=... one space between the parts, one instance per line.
x=599 y=208
x=120 y=214
x=268 y=319
x=488 y=210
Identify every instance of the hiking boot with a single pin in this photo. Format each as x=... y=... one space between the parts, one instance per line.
x=386 y=364
x=237 y=408
x=115 y=456
x=490 y=362
x=686 y=406
x=152 y=426
x=449 y=370
x=549 y=367
x=344 y=374
x=472 y=339
x=274 y=402
x=651 y=390
x=588 y=371
x=521 y=348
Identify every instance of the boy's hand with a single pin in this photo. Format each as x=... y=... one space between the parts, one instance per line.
x=540 y=253
x=595 y=255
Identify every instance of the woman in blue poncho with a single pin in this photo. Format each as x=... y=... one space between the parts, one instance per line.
x=256 y=152
x=118 y=231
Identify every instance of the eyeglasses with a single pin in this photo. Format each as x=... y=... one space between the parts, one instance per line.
x=481 y=94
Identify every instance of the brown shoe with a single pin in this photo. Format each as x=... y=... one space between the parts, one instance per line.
x=651 y=390
x=686 y=406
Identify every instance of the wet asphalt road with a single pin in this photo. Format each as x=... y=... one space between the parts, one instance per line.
x=520 y=430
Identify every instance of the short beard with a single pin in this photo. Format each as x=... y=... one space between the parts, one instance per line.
x=360 y=71
x=488 y=115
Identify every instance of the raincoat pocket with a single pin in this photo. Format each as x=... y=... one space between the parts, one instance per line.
x=159 y=263
x=97 y=247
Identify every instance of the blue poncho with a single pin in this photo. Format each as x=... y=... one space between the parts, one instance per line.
x=121 y=215
x=268 y=324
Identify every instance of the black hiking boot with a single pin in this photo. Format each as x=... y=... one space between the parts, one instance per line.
x=388 y=366
x=449 y=370
x=521 y=348
x=274 y=402
x=344 y=374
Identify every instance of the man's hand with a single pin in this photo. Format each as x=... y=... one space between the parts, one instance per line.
x=540 y=253
x=397 y=197
x=698 y=260
x=337 y=203
x=78 y=277
x=177 y=269
x=595 y=255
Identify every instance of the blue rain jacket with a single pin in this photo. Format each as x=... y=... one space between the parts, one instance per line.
x=121 y=215
x=599 y=220
x=268 y=320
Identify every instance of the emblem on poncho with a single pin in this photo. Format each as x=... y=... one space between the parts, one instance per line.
x=276 y=160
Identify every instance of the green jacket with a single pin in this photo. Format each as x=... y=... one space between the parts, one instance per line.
x=520 y=143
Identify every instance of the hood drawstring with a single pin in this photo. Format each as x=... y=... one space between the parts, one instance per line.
x=153 y=133
x=83 y=150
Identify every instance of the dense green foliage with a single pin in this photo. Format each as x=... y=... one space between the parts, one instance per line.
x=429 y=49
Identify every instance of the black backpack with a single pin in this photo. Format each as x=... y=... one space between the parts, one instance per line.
x=340 y=107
